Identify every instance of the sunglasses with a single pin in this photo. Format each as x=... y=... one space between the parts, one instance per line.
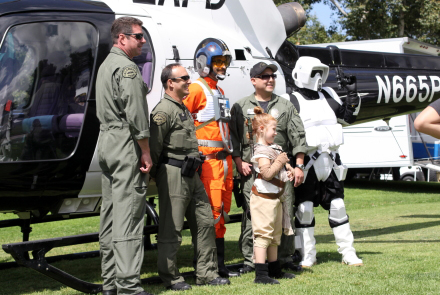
x=138 y=36
x=184 y=78
x=220 y=62
x=267 y=76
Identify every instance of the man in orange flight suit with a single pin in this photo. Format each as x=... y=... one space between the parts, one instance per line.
x=212 y=59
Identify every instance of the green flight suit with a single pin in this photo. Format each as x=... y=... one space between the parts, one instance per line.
x=290 y=136
x=173 y=136
x=123 y=113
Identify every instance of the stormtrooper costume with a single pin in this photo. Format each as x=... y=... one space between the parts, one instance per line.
x=322 y=113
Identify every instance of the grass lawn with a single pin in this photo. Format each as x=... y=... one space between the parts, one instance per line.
x=396 y=226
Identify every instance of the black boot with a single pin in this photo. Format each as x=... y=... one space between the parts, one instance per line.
x=275 y=271
x=246 y=268
x=291 y=266
x=222 y=270
x=262 y=274
x=296 y=257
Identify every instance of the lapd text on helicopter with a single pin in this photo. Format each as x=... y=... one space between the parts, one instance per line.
x=209 y=3
x=399 y=88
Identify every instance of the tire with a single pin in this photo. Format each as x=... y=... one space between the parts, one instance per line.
x=408 y=178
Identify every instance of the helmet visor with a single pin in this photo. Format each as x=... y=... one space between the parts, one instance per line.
x=220 y=61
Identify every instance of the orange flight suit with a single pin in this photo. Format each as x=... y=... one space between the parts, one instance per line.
x=219 y=191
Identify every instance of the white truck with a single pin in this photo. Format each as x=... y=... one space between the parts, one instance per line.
x=390 y=149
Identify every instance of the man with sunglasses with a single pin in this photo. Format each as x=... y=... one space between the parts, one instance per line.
x=124 y=157
x=323 y=112
x=176 y=161
x=290 y=136
x=211 y=61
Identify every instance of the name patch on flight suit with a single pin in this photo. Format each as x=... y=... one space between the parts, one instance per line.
x=183 y=117
x=129 y=72
x=159 y=119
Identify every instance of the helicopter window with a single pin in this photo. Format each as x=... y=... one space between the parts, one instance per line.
x=145 y=61
x=45 y=71
x=239 y=54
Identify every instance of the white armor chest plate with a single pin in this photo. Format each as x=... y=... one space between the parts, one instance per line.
x=208 y=112
x=323 y=132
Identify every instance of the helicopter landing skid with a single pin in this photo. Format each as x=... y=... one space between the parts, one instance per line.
x=39 y=249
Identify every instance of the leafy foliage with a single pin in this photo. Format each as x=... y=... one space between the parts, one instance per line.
x=373 y=19
x=314 y=32
x=378 y=19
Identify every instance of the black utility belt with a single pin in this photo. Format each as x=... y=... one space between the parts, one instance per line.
x=189 y=166
x=222 y=155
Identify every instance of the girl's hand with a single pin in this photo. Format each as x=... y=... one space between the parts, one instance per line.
x=290 y=176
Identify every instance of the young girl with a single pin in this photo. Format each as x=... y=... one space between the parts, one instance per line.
x=267 y=196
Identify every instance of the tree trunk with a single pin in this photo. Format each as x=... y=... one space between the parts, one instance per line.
x=402 y=20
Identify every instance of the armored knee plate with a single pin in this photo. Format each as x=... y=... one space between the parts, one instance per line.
x=337 y=215
x=304 y=214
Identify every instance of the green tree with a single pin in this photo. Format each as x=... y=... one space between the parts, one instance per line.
x=378 y=19
x=313 y=31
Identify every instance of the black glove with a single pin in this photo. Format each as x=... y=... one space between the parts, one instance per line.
x=352 y=95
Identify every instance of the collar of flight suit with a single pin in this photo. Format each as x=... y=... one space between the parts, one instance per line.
x=119 y=51
x=211 y=83
x=273 y=100
x=167 y=96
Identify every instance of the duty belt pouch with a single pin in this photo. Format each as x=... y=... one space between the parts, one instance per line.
x=190 y=166
x=202 y=160
x=340 y=171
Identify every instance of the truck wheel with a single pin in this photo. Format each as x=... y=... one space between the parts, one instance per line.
x=408 y=178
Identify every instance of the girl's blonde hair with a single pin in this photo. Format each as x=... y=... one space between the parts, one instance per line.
x=260 y=119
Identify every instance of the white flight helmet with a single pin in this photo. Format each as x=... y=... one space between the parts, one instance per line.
x=310 y=73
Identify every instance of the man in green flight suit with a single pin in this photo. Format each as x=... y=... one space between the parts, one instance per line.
x=176 y=159
x=124 y=157
x=290 y=136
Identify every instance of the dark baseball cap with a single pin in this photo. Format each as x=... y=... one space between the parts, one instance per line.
x=258 y=68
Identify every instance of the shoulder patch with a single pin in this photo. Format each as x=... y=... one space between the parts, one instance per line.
x=159 y=118
x=295 y=112
x=129 y=72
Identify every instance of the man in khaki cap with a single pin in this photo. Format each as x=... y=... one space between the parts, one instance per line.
x=124 y=157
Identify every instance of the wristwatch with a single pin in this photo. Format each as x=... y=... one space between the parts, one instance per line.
x=300 y=166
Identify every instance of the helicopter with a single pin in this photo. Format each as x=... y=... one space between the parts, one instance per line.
x=50 y=52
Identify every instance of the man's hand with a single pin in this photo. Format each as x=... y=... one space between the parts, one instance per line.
x=299 y=177
x=146 y=162
x=243 y=167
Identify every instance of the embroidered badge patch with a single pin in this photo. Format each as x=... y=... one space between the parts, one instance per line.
x=129 y=72
x=159 y=118
x=275 y=113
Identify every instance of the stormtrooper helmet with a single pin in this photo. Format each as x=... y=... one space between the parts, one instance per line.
x=310 y=73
